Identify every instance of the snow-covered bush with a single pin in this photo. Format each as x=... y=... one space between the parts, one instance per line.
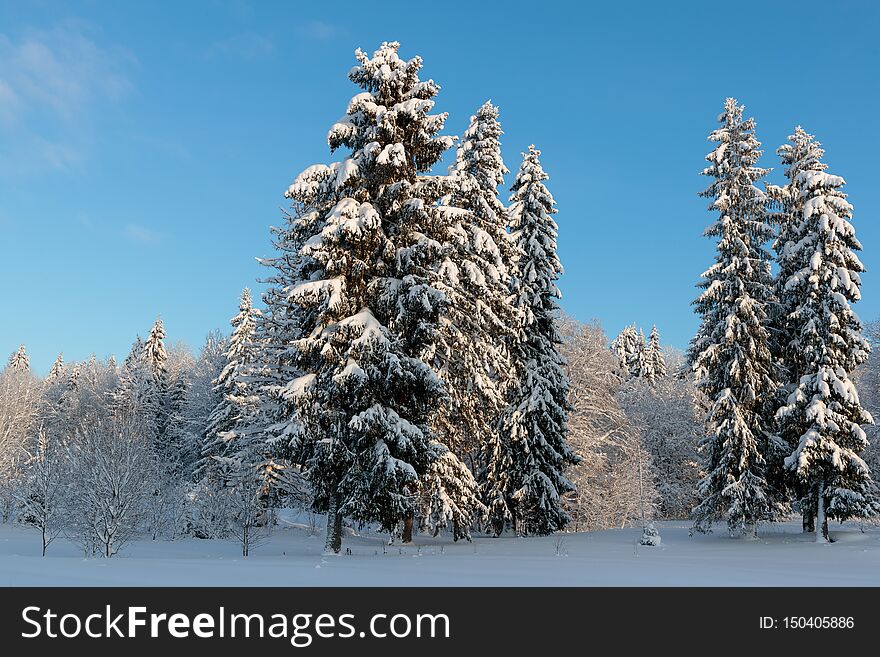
x=650 y=535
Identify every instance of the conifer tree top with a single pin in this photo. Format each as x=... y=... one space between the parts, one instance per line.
x=246 y=302
x=533 y=228
x=802 y=153
x=377 y=129
x=58 y=368
x=19 y=360
x=154 y=347
x=479 y=153
x=732 y=163
x=529 y=188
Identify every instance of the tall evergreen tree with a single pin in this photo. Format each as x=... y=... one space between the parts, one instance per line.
x=56 y=384
x=799 y=152
x=155 y=354
x=629 y=347
x=237 y=398
x=653 y=364
x=156 y=359
x=176 y=432
x=732 y=361
x=19 y=360
x=58 y=369
x=526 y=459
x=472 y=356
x=823 y=413
x=137 y=394
x=368 y=299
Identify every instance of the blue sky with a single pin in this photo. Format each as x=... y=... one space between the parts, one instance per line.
x=145 y=147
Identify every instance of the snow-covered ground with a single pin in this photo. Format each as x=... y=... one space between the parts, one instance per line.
x=781 y=556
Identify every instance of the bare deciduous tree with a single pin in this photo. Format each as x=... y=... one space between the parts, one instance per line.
x=43 y=488
x=250 y=523
x=19 y=405
x=671 y=430
x=112 y=465
x=615 y=482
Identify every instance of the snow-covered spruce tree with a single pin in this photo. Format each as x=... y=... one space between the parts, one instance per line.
x=54 y=386
x=732 y=362
x=58 y=369
x=237 y=399
x=174 y=463
x=137 y=394
x=526 y=458
x=823 y=413
x=156 y=358
x=175 y=431
x=629 y=347
x=19 y=360
x=799 y=152
x=155 y=353
x=174 y=442
x=368 y=299
x=472 y=356
x=653 y=365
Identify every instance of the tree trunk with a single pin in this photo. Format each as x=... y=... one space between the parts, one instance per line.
x=822 y=521
x=497 y=526
x=333 y=543
x=809 y=521
x=337 y=530
x=407 y=535
x=43 y=531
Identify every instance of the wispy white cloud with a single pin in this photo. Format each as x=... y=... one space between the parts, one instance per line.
x=142 y=235
x=320 y=31
x=246 y=45
x=51 y=81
